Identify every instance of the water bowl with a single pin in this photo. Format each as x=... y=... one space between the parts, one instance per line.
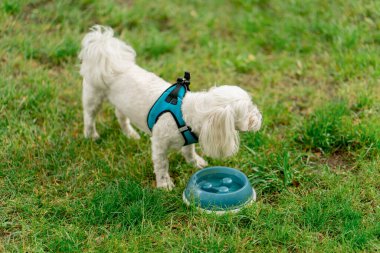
x=219 y=189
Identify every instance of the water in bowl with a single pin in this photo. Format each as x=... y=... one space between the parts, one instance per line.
x=219 y=183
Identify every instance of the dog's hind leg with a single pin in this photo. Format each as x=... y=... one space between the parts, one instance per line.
x=126 y=126
x=192 y=157
x=91 y=100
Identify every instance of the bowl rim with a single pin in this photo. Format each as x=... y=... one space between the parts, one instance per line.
x=236 y=209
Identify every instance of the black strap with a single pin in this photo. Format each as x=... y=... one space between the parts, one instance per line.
x=186 y=80
x=172 y=98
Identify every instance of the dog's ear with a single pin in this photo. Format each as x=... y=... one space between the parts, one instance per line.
x=218 y=137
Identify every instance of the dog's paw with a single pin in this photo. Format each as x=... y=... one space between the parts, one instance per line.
x=91 y=135
x=133 y=135
x=200 y=162
x=165 y=183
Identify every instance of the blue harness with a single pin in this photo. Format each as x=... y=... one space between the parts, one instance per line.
x=171 y=101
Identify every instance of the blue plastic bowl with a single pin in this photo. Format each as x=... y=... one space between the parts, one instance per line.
x=219 y=189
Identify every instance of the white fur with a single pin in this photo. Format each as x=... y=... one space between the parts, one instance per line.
x=109 y=72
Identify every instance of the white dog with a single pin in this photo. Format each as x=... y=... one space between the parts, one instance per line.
x=110 y=72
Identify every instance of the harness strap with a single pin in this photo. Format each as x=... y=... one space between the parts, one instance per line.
x=181 y=82
x=171 y=101
x=172 y=98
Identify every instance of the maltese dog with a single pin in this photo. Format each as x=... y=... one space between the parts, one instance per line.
x=212 y=118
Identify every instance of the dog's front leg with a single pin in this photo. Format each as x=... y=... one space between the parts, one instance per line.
x=192 y=157
x=161 y=163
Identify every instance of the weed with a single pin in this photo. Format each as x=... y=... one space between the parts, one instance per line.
x=11 y=6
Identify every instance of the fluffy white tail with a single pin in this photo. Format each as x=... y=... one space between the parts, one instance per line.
x=104 y=56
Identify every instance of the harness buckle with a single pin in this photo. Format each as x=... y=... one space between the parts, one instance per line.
x=183 y=129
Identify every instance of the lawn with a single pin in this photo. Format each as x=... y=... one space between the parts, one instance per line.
x=312 y=67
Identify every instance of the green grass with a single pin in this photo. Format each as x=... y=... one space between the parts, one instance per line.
x=311 y=66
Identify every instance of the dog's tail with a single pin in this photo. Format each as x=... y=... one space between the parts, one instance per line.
x=104 y=56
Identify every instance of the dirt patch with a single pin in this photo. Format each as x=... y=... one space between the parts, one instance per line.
x=336 y=161
x=340 y=161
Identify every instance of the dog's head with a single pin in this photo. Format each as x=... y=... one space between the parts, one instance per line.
x=228 y=109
